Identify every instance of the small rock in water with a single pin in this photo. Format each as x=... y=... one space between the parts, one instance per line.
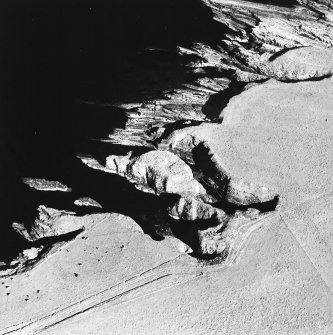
x=46 y=185
x=86 y=201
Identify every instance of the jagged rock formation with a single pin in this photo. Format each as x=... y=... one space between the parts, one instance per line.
x=221 y=229
x=220 y=239
x=191 y=210
x=49 y=223
x=159 y=172
x=164 y=172
x=196 y=151
x=257 y=33
x=156 y=172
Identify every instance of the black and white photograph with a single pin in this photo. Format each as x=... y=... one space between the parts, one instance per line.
x=166 y=167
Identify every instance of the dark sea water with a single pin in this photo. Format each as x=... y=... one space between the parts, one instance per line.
x=56 y=54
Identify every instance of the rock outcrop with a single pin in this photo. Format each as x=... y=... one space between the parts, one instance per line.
x=192 y=210
x=46 y=185
x=87 y=202
x=217 y=179
x=216 y=230
x=156 y=172
x=221 y=239
x=49 y=223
